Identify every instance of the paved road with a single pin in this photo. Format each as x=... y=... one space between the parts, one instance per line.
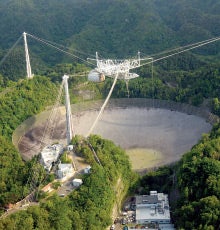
x=66 y=186
x=18 y=208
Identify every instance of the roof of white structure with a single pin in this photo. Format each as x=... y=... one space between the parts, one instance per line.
x=64 y=166
x=147 y=213
x=77 y=180
x=152 y=199
x=146 y=199
x=152 y=207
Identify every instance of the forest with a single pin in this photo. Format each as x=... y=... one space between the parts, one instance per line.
x=199 y=206
x=17 y=103
x=88 y=25
x=148 y=26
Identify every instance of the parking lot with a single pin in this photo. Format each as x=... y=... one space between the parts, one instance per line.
x=126 y=216
x=66 y=187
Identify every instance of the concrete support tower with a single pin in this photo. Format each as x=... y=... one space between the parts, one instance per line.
x=69 y=131
x=28 y=65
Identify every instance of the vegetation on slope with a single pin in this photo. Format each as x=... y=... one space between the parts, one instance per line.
x=115 y=28
x=17 y=103
x=90 y=206
x=139 y=25
x=199 y=184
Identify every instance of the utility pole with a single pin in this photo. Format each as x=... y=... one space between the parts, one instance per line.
x=69 y=131
x=28 y=65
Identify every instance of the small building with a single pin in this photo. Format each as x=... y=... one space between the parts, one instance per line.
x=153 y=208
x=77 y=182
x=70 y=147
x=87 y=169
x=50 y=155
x=64 y=170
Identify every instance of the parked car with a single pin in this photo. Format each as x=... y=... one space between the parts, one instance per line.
x=116 y=220
x=124 y=221
x=124 y=213
x=112 y=227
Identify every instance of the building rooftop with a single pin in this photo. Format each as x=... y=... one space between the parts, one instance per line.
x=77 y=180
x=64 y=170
x=152 y=214
x=146 y=199
x=65 y=166
x=154 y=207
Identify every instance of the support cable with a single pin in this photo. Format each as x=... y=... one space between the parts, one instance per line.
x=62 y=46
x=94 y=152
x=59 y=49
x=33 y=183
x=183 y=47
x=152 y=78
x=10 y=50
x=50 y=125
x=103 y=106
x=127 y=87
x=181 y=51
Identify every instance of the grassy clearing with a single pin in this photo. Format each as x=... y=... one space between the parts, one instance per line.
x=142 y=158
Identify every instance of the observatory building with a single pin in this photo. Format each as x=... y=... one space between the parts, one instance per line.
x=152 y=208
x=77 y=182
x=64 y=170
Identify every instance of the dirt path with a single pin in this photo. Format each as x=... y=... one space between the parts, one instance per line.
x=119 y=195
x=119 y=192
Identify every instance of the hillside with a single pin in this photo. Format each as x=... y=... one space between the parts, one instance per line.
x=199 y=206
x=17 y=103
x=115 y=28
x=91 y=205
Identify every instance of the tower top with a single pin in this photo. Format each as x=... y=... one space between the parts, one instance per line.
x=65 y=77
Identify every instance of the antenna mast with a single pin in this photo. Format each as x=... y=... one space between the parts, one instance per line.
x=28 y=65
x=69 y=131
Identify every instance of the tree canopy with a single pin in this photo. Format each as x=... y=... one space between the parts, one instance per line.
x=18 y=102
x=114 y=28
x=199 y=185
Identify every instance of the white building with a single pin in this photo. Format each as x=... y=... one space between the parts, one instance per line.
x=152 y=208
x=77 y=182
x=50 y=155
x=70 y=147
x=64 y=170
x=87 y=169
